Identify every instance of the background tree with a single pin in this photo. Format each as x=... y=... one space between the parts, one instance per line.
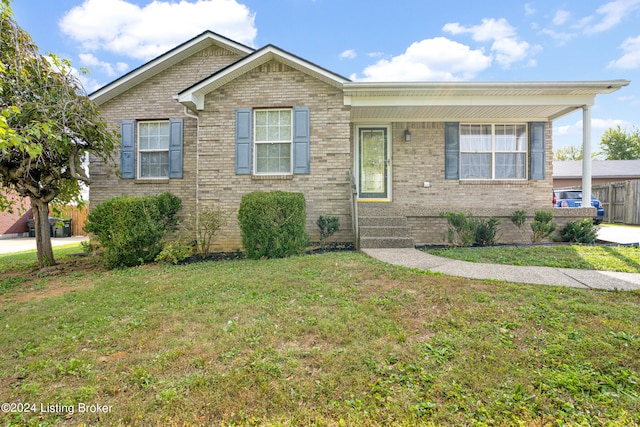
x=618 y=144
x=572 y=152
x=48 y=124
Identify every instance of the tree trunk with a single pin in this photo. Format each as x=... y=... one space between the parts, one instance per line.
x=40 y=211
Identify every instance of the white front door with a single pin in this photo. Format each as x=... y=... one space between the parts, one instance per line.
x=374 y=168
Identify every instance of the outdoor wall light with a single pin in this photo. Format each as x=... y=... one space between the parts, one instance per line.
x=407 y=136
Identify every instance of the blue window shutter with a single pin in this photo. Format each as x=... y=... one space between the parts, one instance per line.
x=536 y=150
x=175 y=148
x=243 y=141
x=301 y=140
x=127 y=150
x=452 y=150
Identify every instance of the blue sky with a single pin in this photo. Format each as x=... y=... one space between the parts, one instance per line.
x=404 y=40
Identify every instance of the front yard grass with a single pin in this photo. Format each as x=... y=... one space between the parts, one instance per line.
x=587 y=257
x=332 y=339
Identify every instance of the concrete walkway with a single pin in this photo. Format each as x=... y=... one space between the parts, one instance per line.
x=584 y=279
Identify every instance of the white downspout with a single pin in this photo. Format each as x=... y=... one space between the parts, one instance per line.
x=586 y=156
x=195 y=116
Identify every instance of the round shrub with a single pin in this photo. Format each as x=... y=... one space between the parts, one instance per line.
x=131 y=228
x=272 y=224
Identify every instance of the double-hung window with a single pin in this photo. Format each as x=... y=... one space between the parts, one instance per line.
x=153 y=149
x=493 y=151
x=273 y=141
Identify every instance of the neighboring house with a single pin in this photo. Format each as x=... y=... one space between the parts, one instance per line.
x=568 y=173
x=213 y=120
x=14 y=223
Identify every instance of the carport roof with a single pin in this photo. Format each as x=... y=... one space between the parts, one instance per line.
x=471 y=101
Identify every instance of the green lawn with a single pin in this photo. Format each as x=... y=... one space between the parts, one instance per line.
x=333 y=339
x=604 y=258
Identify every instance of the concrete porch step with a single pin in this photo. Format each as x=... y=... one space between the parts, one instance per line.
x=382 y=221
x=386 y=242
x=384 y=231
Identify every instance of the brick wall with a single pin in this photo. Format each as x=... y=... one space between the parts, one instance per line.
x=215 y=184
x=326 y=188
x=153 y=99
x=422 y=160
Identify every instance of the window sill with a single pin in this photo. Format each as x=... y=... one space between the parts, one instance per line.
x=151 y=181
x=271 y=177
x=521 y=182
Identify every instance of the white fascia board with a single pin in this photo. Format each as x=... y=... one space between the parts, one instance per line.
x=245 y=65
x=163 y=62
x=417 y=101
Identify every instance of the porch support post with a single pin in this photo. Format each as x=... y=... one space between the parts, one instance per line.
x=586 y=156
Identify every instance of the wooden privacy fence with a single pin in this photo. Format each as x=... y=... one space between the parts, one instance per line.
x=621 y=201
x=78 y=216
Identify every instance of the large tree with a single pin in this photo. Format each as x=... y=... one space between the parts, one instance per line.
x=618 y=144
x=47 y=125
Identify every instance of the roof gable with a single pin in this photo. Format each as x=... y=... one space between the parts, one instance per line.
x=165 y=61
x=193 y=97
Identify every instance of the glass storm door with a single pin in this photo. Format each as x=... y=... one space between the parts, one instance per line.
x=374 y=171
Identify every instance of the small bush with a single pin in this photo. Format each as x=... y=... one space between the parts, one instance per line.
x=465 y=230
x=130 y=229
x=461 y=228
x=210 y=221
x=542 y=226
x=272 y=224
x=580 y=232
x=328 y=225
x=486 y=231
x=174 y=252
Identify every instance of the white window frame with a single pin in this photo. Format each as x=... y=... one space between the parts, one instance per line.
x=493 y=151
x=256 y=142
x=140 y=150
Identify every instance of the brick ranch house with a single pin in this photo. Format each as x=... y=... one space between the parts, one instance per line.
x=212 y=120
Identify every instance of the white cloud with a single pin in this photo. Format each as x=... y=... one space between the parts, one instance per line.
x=348 y=54
x=508 y=48
x=561 y=17
x=561 y=37
x=608 y=16
x=597 y=125
x=437 y=59
x=145 y=32
x=90 y=60
x=529 y=9
x=631 y=58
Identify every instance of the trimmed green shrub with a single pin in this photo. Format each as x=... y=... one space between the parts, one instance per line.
x=486 y=231
x=130 y=229
x=580 y=232
x=328 y=225
x=462 y=228
x=272 y=224
x=465 y=230
x=542 y=226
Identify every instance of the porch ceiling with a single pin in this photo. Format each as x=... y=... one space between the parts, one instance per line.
x=466 y=101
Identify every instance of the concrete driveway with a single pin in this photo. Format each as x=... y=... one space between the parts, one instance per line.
x=621 y=234
x=21 y=244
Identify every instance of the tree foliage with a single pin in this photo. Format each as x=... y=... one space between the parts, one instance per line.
x=47 y=124
x=572 y=152
x=618 y=144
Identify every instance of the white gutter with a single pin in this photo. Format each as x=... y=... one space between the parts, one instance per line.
x=195 y=116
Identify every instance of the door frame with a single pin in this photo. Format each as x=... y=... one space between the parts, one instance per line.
x=389 y=151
